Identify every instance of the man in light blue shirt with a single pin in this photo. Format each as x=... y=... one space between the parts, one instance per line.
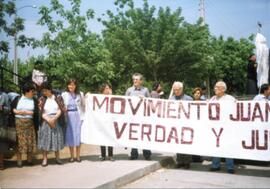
x=183 y=160
x=138 y=90
x=264 y=93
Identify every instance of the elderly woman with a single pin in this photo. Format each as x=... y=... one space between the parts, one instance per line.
x=25 y=109
x=74 y=103
x=50 y=135
x=4 y=112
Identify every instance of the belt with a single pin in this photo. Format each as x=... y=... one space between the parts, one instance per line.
x=52 y=114
x=72 y=110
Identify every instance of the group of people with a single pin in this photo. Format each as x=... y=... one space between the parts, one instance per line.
x=48 y=123
x=184 y=160
x=54 y=121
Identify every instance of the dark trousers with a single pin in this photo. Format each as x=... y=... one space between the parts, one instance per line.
x=103 y=151
x=183 y=159
x=135 y=154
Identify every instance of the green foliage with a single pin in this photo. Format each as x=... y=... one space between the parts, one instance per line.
x=74 y=51
x=8 y=9
x=163 y=47
x=156 y=42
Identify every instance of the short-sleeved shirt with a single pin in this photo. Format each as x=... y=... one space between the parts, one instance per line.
x=260 y=97
x=181 y=97
x=143 y=91
x=224 y=97
x=25 y=104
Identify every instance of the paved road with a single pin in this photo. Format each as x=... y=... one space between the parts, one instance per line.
x=199 y=177
x=92 y=173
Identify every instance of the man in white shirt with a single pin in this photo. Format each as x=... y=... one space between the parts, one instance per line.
x=220 y=94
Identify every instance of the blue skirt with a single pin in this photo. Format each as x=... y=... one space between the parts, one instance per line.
x=73 y=130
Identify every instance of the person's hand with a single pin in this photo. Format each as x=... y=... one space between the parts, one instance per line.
x=51 y=122
x=141 y=96
x=255 y=65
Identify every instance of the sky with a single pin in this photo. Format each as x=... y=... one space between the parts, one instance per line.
x=236 y=18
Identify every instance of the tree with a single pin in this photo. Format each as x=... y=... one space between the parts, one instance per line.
x=73 y=50
x=8 y=9
x=230 y=61
x=160 y=45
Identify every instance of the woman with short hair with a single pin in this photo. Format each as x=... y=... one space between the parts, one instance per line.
x=25 y=111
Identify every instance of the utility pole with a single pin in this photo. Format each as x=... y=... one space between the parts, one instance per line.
x=202 y=16
x=202 y=11
x=15 y=65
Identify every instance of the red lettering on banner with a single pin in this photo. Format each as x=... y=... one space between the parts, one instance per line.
x=255 y=141
x=147 y=133
x=134 y=110
x=131 y=131
x=247 y=118
x=96 y=102
x=158 y=127
x=186 y=113
x=117 y=133
x=169 y=109
x=257 y=108
x=199 y=108
x=237 y=117
x=112 y=105
x=217 y=135
x=267 y=110
x=217 y=108
x=184 y=129
x=252 y=145
x=265 y=143
x=173 y=135
x=153 y=108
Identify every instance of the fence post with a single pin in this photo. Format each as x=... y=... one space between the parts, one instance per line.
x=2 y=77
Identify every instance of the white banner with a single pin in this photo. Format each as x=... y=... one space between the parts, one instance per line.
x=237 y=129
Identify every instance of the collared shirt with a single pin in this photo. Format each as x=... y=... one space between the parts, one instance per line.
x=181 y=97
x=25 y=104
x=260 y=97
x=143 y=91
x=224 y=97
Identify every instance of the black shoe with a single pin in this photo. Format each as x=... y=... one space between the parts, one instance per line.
x=187 y=166
x=133 y=158
x=215 y=169
x=148 y=158
x=231 y=171
x=59 y=162
x=101 y=158
x=78 y=160
x=30 y=163
x=71 y=160
x=19 y=164
x=179 y=165
x=110 y=159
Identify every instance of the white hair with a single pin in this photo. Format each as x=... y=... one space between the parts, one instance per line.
x=223 y=84
x=177 y=84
